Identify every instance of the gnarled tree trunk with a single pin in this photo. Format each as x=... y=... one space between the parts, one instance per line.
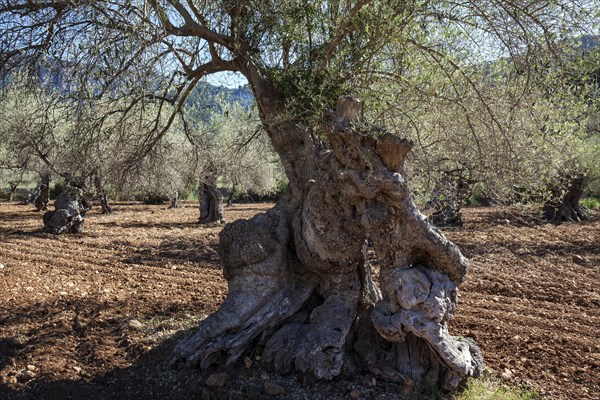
x=448 y=198
x=300 y=282
x=564 y=205
x=68 y=215
x=175 y=200
x=210 y=201
x=102 y=195
x=12 y=189
x=41 y=202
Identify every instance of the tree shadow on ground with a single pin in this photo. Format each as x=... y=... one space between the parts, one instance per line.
x=168 y=252
x=490 y=217
x=149 y=377
x=148 y=224
x=23 y=215
x=137 y=372
x=95 y=335
x=12 y=219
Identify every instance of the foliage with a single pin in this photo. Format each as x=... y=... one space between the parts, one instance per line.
x=57 y=189
x=591 y=202
x=231 y=145
x=489 y=91
x=512 y=136
x=77 y=141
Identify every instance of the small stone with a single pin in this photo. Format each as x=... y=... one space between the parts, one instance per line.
x=205 y=394
x=31 y=367
x=217 y=380
x=273 y=389
x=507 y=374
x=2 y=266
x=579 y=259
x=536 y=348
x=26 y=376
x=77 y=369
x=135 y=324
x=355 y=394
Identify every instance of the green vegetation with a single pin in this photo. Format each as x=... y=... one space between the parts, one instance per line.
x=487 y=389
x=591 y=202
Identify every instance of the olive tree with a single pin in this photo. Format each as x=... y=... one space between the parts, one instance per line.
x=230 y=147
x=300 y=283
x=523 y=135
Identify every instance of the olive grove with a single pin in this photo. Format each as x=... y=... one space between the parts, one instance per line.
x=512 y=135
x=301 y=288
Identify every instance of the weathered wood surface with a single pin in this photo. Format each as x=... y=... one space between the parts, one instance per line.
x=300 y=283
x=210 y=202
x=68 y=215
x=564 y=205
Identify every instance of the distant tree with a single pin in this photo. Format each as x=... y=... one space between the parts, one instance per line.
x=230 y=147
x=516 y=135
x=299 y=278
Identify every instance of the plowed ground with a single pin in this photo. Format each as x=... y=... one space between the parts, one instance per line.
x=96 y=315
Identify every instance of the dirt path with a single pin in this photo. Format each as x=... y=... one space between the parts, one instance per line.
x=96 y=315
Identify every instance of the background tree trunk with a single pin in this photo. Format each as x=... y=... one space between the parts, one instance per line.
x=12 y=189
x=175 y=200
x=448 y=198
x=102 y=195
x=564 y=205
x=68 y=215
x=300 y=282
x=210 y=201
x=41 y=202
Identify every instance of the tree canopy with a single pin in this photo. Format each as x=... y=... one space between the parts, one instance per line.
x=311 y=51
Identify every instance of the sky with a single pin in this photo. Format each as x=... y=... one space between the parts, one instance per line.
x=228 y=79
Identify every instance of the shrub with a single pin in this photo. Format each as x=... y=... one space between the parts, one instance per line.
x=591 y=203
x=57 y=189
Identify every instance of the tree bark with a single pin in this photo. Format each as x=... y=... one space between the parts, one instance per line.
x=12 y=189
x=210 y=202
x=300 y=282
x=68 y=215
x=448 y=198
x=102 y=195
x=564 y=205
x=41 y=202
x=175 y=200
